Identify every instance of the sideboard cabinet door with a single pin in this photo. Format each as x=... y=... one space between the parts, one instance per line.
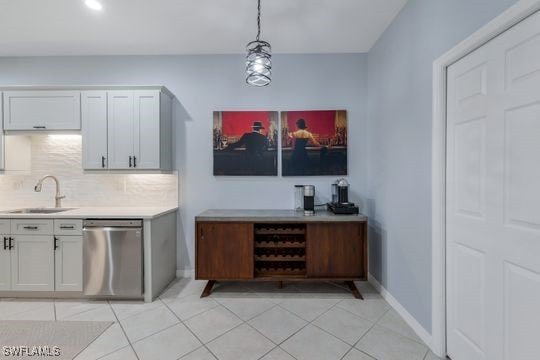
x=336 y=250
x=224 y=251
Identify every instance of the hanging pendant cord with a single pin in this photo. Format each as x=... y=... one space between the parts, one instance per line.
x=259 y=20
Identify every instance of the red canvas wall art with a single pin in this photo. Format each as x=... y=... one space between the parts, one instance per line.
x=314 y=142
x=245 y=143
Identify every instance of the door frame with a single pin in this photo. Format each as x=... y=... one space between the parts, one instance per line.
x=515 y=14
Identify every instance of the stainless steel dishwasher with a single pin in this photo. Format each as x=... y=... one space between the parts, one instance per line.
x=113 y=258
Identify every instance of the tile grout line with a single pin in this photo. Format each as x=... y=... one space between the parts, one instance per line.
x=124 y=331
x=283 y=308
x=348 y=351
x=397 y=332
x=192 y=351
x=243 y=322
x=202 y=312
x=363 y=317
x=256 y=330
x=367 y=332
x=246 y=322
x=306 y=325
x=268 y=352
x=360 y=351
x=78 y=313
x=16 y=300
x=112 y=352
x=187 y=327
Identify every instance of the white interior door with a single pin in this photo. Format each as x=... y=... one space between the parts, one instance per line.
x=493 y=199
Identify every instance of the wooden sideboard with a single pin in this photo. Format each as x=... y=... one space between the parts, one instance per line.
x=279 y=245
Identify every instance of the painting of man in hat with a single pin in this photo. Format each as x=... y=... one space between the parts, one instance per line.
x=254 y=142
x=245 y=143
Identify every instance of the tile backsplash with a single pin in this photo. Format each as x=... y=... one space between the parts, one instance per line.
x=60 y=155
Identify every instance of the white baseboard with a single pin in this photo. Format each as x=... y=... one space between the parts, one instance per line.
x=409 y=319
x=184 y=273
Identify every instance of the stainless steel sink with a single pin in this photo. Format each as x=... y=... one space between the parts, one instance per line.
x=38 y=211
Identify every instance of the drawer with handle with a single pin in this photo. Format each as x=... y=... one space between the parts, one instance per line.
x=5 y=226
x=67 y=227
x=31 y=227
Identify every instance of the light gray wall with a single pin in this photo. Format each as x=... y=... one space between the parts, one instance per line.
x=203 y=84
x=399 y=113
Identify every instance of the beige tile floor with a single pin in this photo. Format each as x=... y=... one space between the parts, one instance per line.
x=239 y=321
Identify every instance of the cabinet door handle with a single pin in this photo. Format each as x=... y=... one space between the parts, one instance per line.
x=130 y=162
x=103 y=161
x=39 y=127
x=11 y=246
x=134 y=161
x=31 y=227
x=55 y=243
x=67 y=227
x=5 y=243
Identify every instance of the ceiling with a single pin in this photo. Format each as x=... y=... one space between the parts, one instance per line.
x=68 y=27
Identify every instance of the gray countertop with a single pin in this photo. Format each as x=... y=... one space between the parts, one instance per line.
x=275 y=216
x=95 y=213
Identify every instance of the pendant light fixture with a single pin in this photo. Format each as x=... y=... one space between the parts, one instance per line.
x=259 y=58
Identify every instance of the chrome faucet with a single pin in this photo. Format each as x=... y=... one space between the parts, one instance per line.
x=58 y=198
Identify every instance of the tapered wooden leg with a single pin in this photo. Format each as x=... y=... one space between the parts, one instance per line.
x=208 y=288
x=280 y=284
x=354 y=290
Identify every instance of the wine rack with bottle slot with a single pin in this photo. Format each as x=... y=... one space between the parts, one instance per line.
x=280 y=250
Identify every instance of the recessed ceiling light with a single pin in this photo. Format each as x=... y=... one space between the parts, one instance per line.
x=93 y=4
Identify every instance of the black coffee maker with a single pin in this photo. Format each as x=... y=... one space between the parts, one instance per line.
x=340 y=199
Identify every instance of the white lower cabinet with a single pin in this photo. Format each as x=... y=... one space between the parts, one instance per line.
x=33 y=259
x=5 y=264
x=32 y=263
x=68 y=263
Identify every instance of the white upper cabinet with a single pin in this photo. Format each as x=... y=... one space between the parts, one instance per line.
x=146 y=130
x=94 y=129
x=121 y=128
x=42 y=110
x=127 y=130
x=2 y=151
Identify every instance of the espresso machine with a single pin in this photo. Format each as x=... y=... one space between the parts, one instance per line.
x=340 y=204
